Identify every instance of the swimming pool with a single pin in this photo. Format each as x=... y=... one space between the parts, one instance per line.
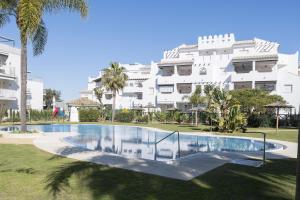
x=138 y=142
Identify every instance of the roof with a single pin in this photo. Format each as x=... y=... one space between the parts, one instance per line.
x=255 y=57
x=84 y=102
x=175 y=62
x=279 y=105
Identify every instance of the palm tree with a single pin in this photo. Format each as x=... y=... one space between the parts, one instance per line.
x=48 y=97
x=28 y=15
x=114 y=79
x=228 y=111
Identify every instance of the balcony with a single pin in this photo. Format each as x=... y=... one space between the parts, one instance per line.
x=7 y=73
x=7 y=94
x=184 y=70
x=133 y=89
x=254 y=76
x=168 y=98
x=166 y=80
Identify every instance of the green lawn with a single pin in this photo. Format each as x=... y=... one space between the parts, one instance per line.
x=28 y=173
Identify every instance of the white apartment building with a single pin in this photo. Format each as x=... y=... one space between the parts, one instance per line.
x=220 y=60
x=140 y=89
x=10 y=81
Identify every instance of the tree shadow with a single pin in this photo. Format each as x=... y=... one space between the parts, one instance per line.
x=226 y=182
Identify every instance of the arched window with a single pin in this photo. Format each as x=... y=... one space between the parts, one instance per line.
x=203 y=71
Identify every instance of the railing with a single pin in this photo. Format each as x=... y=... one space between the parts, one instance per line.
x=7 y=93
x=264 y=148
x=8 y=71
x=157 y=142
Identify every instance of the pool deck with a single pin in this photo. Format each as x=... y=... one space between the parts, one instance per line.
x=185 y=168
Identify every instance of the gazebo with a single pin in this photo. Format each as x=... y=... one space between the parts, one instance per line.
x=74 y=105
x=277 y=106
x=196 y=110
x=148 y=107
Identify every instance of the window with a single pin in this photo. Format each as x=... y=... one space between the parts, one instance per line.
x=140 y=96
x=288 y=88
x=151 y=90
x=203 y=71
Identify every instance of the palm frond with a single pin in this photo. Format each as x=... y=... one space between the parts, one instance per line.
x=4 y=18
x=29 y=17
x=39 y=39
x=72 y=5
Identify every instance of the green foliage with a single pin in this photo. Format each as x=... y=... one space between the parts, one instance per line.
x=261 y=120
x=225 y=111
x=40 y=115
x=3 y=113
x=142 y=119
x=254 y=100
x=48 y=97
x=114 y=79
x=160 y=116
x=89 y=115
x=124 y=116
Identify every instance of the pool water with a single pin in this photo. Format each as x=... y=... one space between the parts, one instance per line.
x=138 y=142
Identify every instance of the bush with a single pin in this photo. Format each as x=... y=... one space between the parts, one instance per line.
x=89 y=115
x=124 y=116
x=142 y=119
x=260 y=120
x=160 y=116
x=43 y=115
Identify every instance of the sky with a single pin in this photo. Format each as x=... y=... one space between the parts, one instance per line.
x=130 y=31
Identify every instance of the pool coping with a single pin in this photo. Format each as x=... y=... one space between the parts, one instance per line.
x=185 y=168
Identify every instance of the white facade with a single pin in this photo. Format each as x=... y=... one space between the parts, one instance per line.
x=140 y=89
x=220 y=60
x=10 y=81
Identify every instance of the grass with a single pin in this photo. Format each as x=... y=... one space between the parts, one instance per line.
x=284 y=134
x=28 y=173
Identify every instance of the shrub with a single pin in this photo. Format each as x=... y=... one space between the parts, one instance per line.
x=40 y=115
x=124 y=116
x=142 y=119
x=260 y=120
x=89 y=115
x=160 y=116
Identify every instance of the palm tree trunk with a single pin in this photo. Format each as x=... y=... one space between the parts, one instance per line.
x=297 y=196
x=23 y=85
x=113 y=106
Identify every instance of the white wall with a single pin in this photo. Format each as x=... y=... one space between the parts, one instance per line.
x=35 y=94
x=36 y=87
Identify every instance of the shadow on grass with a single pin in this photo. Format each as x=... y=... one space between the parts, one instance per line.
x=275 y=181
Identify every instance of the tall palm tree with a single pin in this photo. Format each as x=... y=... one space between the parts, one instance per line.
x=28 y=15
x=114 y=79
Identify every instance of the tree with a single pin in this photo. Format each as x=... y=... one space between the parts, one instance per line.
x=48 y=97
x=114 y=79
x=196 y=99
x=98 y=91
x=254 y=100
x=229 y=116
x=3 y=112
x=28 y=15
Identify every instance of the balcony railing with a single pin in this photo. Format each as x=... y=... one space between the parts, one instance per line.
x=7 y=72
x=254 y=76
x=7 y=94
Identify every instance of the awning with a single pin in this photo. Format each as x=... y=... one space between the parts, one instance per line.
x=266 y=57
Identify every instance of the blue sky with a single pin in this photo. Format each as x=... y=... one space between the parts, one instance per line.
x=131 y=31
